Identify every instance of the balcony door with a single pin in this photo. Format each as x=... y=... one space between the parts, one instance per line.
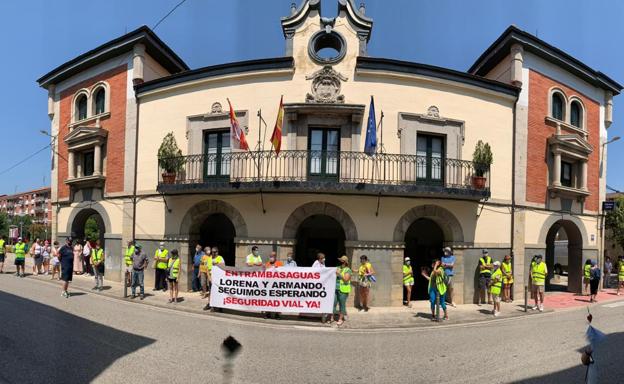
x=324 y=153
x=216 y=154
x=430 y=160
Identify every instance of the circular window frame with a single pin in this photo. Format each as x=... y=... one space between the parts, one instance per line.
x=323 y=39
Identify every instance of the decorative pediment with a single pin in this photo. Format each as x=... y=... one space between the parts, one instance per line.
x=326 y=85
x=85 y=137
x=571 y=142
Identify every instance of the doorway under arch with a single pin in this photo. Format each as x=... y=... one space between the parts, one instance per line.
x=564 y=256
x=424 y=240
x=319 y=233
x=88 y=224
x=217 y=230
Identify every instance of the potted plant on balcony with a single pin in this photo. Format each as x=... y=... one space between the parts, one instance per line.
x=482 y=158
x=170 y=158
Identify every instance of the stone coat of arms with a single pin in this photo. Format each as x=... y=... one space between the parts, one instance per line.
x=325 y=86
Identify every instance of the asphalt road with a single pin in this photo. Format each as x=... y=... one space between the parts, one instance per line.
x=45 y=338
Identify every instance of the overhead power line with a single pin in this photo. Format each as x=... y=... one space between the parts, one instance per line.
x=25 y=159
x=167 y=15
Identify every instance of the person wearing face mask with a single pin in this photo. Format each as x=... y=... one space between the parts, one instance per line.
x=97 y=262
x=254 y=259
x=203 y=272
x=290 y=262
x=199 y=252
x=214 y=260
x=161 y=258
x=272 y=263
x=320 y=261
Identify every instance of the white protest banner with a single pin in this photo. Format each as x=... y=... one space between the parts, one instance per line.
x=299 y=290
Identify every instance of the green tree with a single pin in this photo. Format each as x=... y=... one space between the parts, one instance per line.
x=92 y=230
x=4 y=224
x=37 y=230
x=614 y=222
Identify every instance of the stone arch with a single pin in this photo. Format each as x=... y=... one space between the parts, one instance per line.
x=445 y=219
x=319 y=208
x=200 y=211
x=79 y=216
x=570 y=223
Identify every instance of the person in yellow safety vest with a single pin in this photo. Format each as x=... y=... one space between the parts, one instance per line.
x=20 y=257
x=128 y=262
x=586 y=276
x=436 y=287
x=173 y=271
x=485 y=274
x=2 y=253
x=161 y=258
x=343 y=288
x=620 y=269
x=203 y=272
x=214 y=260
x=506 y=269
x=97 y=262
x=538 y=279
x=408 y=281
x=495 y=287
x=254 y=259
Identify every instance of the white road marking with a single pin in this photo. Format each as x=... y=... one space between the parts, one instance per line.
x=614 y=305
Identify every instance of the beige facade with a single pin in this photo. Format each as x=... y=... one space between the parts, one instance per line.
x=401 y=202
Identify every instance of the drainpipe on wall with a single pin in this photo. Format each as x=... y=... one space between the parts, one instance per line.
x=136 y=165
x=513 y=184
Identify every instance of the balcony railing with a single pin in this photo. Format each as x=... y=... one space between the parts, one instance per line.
x=322 y=171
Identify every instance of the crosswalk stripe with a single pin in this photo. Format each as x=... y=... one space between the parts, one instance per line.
x=614 y=305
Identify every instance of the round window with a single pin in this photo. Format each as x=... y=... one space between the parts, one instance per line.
x=327 y=47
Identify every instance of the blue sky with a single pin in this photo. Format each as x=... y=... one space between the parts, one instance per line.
x=36 y=36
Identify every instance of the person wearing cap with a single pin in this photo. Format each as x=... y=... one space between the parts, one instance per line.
x=408 y=281
x=161 y=257
x=495 y=287
x=254 y=259
x=66 y=257
x=139 y=263
x=366 y=276
x=448 y=263
x=538 y=281
x=129 y=253
x=199 y=253
x=20 y=257
x=586 y=276
x=594 y=281
x=343 y=288
x=485 y=274
x=506 y=269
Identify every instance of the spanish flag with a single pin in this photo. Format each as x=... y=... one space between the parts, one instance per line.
x=276 y=137
x=238 y=140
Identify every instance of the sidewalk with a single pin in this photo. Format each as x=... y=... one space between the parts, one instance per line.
x=377 y=318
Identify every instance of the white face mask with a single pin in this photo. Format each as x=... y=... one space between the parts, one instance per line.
x=162 y=247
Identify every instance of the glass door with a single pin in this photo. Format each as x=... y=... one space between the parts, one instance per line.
x=216 y=154
x=430 y=159
x=324 y=153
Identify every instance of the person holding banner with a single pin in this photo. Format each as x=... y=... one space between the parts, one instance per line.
x=343 y=288
x=272 y=263
x=254 y=259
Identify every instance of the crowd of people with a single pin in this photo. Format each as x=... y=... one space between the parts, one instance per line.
x=495 y=280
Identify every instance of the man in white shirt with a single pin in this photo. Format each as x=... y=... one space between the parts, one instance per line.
x=320 y=261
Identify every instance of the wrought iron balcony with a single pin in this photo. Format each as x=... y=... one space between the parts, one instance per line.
x=326 y=172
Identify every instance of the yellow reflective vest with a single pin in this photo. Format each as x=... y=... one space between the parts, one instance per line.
x=1 y=247
x=408 y=275
x=20 y=251
x=497 y=278
x=174 y=267
x=538 y=273
x=161 y=255
x=506 y=269
x=128 y=256
x=97 y=255
x=587 y=271
x=345 y=286
x=439 y=281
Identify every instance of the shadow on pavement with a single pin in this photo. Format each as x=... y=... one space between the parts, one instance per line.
x=42 y=344
x=609 y=364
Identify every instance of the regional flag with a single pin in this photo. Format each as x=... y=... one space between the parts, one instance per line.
x=370 y=144
x=276 y=137
x=238 y=136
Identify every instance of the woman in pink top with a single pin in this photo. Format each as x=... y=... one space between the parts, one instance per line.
x=78 y=258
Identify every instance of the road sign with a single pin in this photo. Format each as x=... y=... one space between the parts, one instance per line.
x=608 y=205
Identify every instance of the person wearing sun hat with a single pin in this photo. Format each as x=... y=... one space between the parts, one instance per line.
x=496 y=283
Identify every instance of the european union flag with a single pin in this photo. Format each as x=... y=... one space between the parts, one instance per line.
x=371 y=130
